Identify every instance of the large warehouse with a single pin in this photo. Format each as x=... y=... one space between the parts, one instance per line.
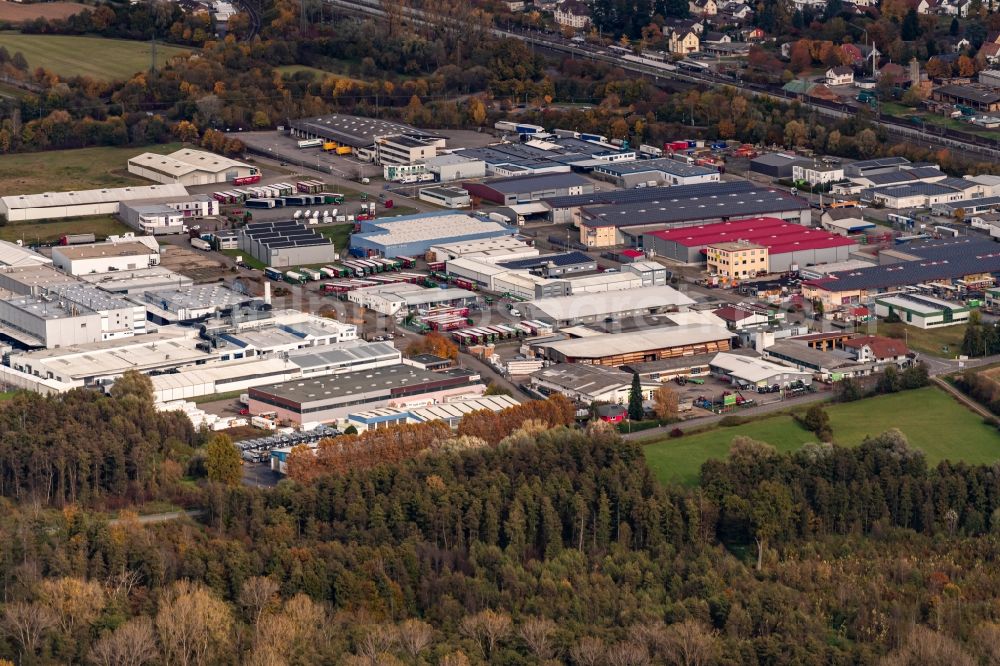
x=283 y=244
x=650 y=173
x=510 y=191
x=621 y=224
x=590 y=308
x=124 y=255
x=413 y=235
x=331 y=398
x=786 y=243
x=618 y=349
x=52 y=205
x=190 y=167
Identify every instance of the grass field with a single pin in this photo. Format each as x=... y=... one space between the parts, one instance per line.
x=340 y=234
x=33 y=233
x=932 y=341
x=81 y=169
x=96 y=57
x=931 y=420
x=248 y=259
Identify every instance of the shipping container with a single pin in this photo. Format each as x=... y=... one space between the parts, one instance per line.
x=260 y=203
x=77 y=239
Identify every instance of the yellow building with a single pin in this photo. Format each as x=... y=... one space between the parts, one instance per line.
x=684 y=43
x=737 y=260
x=599 y=236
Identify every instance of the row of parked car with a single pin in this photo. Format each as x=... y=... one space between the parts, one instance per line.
x=259 y=450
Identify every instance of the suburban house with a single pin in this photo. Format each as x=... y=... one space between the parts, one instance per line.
x=738 y=319
x=840 y=76
x=703 y=7
x=611 y=413
x=879 y=350
x=572 y=14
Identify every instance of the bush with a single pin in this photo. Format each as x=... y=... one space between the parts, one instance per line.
x=731 y=421
x=677 y=432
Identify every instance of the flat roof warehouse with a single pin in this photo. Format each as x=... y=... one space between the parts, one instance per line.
x=353 y=130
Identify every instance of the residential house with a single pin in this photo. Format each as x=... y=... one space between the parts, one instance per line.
x=703 y=7
x=684 y=43
x=840 y=76
x=879 y=350
x=717 y=38
x=683 y=25
x=898 y=74
x=928 y=6
x=514 y=5
x=738 y=319
x=753 y=34
x=734 y=12
x=611 y=413
x=572 y=14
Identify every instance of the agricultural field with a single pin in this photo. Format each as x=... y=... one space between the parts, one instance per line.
x=96 y=57
x=931 y=420
x=41 y=232
x=81 y=169
x=15 y=12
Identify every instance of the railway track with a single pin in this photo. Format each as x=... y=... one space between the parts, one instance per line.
x=940 y=137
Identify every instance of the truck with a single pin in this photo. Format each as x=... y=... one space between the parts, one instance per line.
x=77 y=239
x=201 y=244
x=310 y=143
x=310 y=274
x=291 y=277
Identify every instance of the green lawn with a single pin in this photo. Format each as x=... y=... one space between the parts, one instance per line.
x=927 y=341
x=931 y=420
x=33 y=233
x=340 y=234
x=80 y=169
x=248 y=259
x=97 y=57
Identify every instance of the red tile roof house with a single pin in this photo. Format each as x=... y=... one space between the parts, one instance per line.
x=880 y=350
x=737 y=318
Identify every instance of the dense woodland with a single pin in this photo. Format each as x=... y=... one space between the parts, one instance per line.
x=534 y=545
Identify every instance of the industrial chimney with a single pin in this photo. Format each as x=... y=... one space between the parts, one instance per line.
x=267 y=293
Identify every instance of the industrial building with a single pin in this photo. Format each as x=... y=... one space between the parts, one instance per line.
x=510 y=191
x=32 y=280
x=651 y=173
x=413 y=235
x=402 y=149
x=626 y=224
x=212 y=379
x=921 y=310
x=166 y=215
x=125 y=254
x=401 y=298
x=70 y=315
x=451 y=167
x=357 y=132
x=651 y=273
x=189 y=167
x=527 y=286
x=786 y=244
x=751 y=372
x=588 y=384
x=450 y=412
x=487 y=250
x=155 y=278
x=589 y=308
x=777 y=166
x=618 y=349
x=921 y=195
x=845 y=221
x=191 y=304
x=446 y=197
x=12 y=254
x=568 y=210
x=286 y=243
x=953 y=264
x=560 y=264
x=329 y=399
x=54 y=205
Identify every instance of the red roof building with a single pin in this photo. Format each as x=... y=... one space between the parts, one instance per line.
x=877 y=348
x=788 y=244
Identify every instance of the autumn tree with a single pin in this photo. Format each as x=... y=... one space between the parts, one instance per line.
x=223 y=463
x=26 y=623
x=76 y=603
x=130 y=644
x=257 y=596
x=194 y=626
x=487 y=629
x=665 y=403
x=433 y=343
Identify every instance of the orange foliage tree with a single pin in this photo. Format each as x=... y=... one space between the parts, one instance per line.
x=433 y=343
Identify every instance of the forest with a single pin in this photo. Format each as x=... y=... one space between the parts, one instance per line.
x=532 y=545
